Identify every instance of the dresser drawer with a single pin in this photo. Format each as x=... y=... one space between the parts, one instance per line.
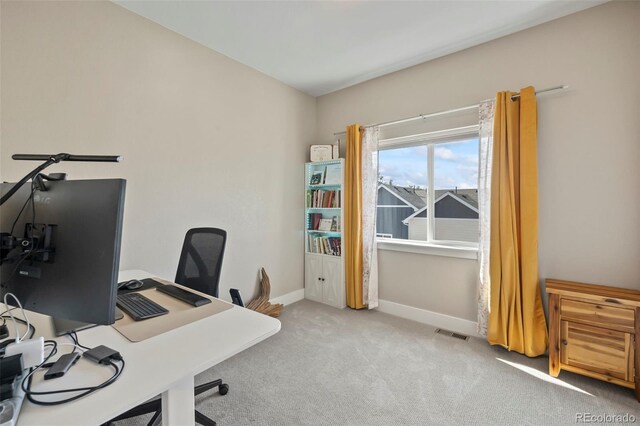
x=599 y=352
x=601 y=315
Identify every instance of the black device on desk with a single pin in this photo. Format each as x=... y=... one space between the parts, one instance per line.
x=130 y=285
x=134 y=285
x=235 y=297
x=60 y=367
x=184 y=295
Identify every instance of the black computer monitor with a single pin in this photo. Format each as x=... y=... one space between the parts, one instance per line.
x=71 y=270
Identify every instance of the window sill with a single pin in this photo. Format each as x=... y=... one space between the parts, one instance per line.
x=444 y=248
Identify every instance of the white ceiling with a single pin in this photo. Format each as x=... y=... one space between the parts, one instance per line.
x=322 y=46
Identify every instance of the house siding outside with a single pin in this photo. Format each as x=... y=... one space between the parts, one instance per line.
x=445 y=229
x=385 y=198
x=389 y=221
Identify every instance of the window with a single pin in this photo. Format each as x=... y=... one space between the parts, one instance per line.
x=428 y=188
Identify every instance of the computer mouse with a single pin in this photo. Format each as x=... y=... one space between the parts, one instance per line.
x=131 y=285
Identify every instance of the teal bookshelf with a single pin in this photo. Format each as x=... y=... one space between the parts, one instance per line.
x=324 y=255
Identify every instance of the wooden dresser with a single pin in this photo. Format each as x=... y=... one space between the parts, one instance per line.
x=592 y=331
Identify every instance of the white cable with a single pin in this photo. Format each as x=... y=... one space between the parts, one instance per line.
x=15 y=323
x=72 y=344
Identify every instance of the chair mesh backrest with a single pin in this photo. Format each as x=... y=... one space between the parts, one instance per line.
x=201 y=260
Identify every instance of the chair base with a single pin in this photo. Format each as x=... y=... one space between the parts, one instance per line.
x=155 y=406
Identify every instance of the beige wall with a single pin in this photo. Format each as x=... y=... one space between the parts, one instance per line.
x=207 y=141
x=436 y=283
x=589 y=147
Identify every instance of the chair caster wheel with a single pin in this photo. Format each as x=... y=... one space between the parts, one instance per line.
x=223 y=389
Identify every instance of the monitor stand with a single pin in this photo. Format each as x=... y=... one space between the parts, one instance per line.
x=64 y=326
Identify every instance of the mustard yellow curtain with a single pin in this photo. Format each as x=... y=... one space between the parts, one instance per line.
x=516 y=318
x=352 y=230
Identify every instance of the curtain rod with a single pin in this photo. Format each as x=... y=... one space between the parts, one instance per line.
x=451 y=111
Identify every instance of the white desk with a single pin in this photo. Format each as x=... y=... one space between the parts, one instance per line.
x=165 y=364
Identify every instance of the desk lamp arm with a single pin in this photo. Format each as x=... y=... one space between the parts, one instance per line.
x=49 y=160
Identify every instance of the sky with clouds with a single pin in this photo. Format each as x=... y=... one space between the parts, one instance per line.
x=456 y=165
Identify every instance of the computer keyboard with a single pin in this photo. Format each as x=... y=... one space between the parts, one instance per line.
x=139 y=307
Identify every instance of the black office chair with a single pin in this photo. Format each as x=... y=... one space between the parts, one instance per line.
x=199 y=269
x=201 y=260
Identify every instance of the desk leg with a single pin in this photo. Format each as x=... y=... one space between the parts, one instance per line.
x=178 y=404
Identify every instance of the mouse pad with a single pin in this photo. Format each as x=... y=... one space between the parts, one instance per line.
x=147 y=283
x=180 y=313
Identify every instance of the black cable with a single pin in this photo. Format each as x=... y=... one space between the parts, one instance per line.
x=33 y=209
x=24 y=255
x=21 y=321
x=86 y=388
x=17 y=256
x=26 y=382
x=70 y=334
x=32 y=248
x=85 y=391
x=33 y=223
x=54 y=350
x=74 y=337
x=29 y=198
x=77 y=340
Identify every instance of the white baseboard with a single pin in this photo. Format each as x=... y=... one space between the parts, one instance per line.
x=289 y=298
x=435 y=319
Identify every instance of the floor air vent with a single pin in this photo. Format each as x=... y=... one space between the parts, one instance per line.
x=452 y=334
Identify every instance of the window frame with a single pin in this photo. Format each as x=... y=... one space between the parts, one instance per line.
x=431 y=246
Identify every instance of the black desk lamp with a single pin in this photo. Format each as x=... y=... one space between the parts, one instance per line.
x=53 y=159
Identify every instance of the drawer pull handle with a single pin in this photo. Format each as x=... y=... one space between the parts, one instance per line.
x=564 y=342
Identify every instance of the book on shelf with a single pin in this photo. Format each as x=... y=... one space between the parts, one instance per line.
x=325 y=225
x=318 y=198
x=333 y=176
x=334 y=224
x=324 y=245
x=327 y=200
x=317 y=178
x=314 y=221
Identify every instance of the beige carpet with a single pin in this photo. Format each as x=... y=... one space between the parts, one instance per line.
x=342 y=367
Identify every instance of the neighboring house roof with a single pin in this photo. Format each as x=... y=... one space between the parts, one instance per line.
x=416 y=198
x=467 y=197
x=407 y=195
